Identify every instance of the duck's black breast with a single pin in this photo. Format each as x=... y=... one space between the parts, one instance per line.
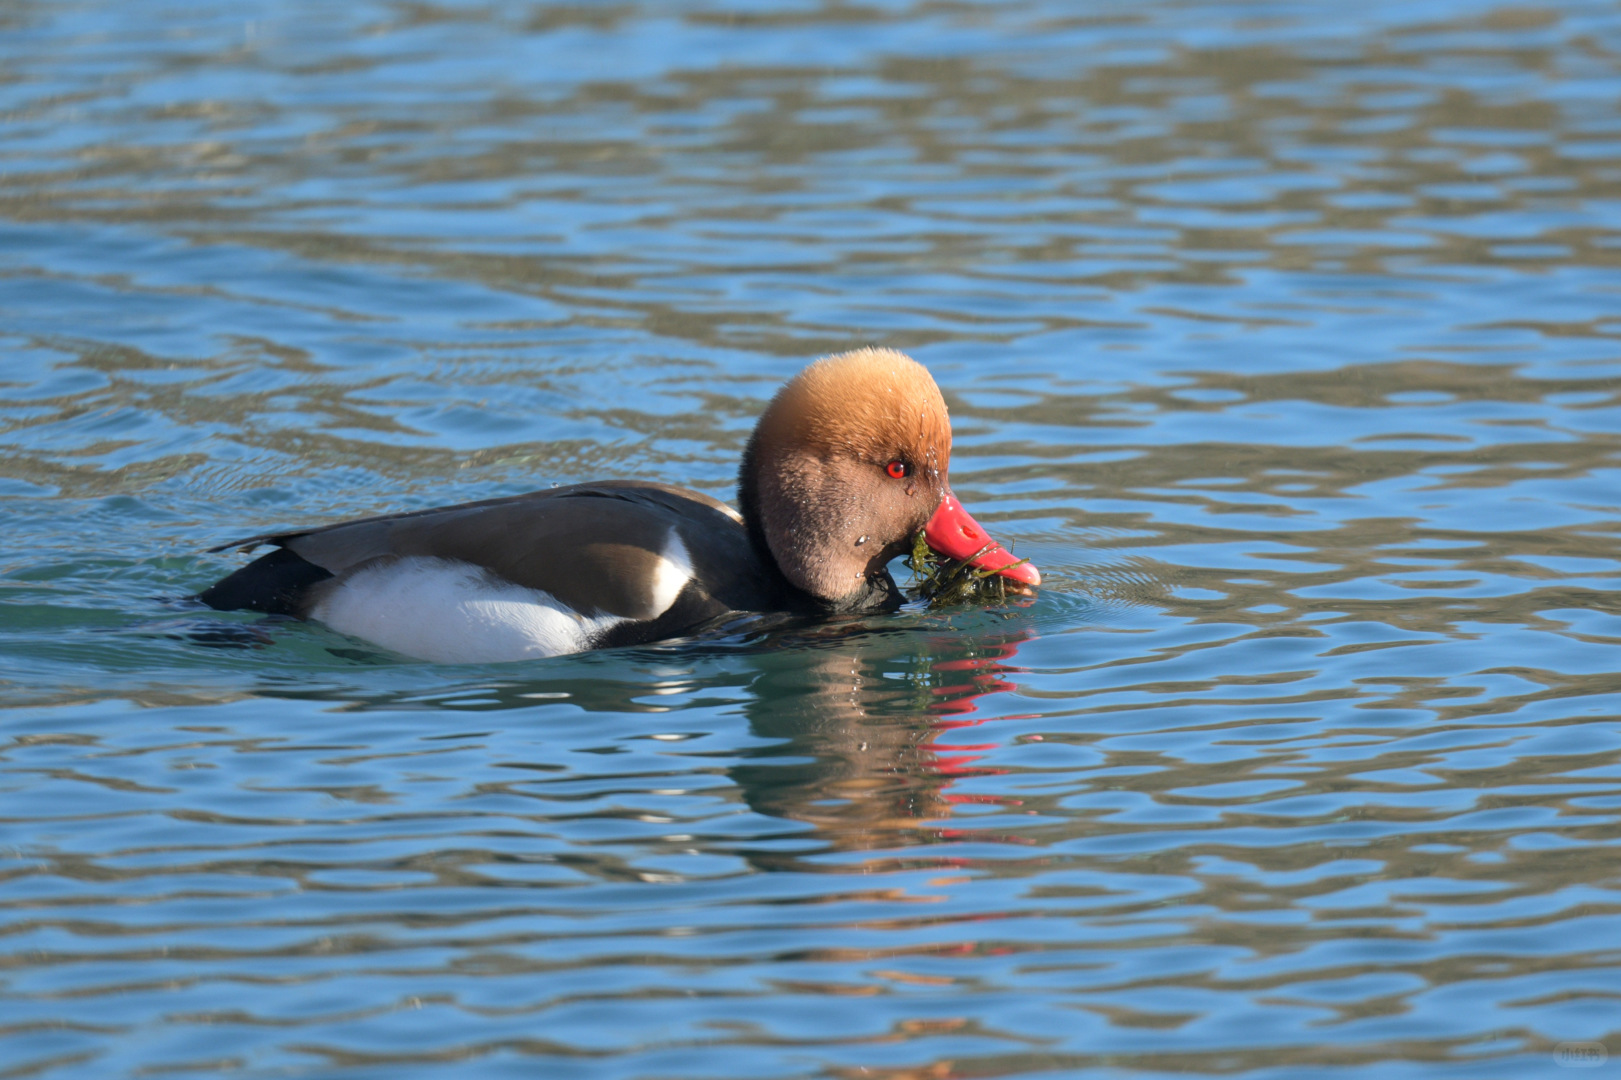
x=617 y=563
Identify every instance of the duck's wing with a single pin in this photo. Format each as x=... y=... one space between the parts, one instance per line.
x=623 y=549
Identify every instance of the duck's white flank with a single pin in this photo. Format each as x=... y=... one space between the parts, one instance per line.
x=450 y=612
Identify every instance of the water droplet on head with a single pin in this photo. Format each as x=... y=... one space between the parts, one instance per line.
x=860 y=540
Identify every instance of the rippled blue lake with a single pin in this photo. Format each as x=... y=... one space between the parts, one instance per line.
x=1285 y=338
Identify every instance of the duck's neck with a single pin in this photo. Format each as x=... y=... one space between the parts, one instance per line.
x=748 y=500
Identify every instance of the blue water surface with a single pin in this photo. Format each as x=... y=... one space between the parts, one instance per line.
x=1284 y=338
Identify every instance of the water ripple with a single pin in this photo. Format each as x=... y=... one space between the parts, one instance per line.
x=1282 y=340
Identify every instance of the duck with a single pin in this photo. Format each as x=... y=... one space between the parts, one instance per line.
x=848 y=462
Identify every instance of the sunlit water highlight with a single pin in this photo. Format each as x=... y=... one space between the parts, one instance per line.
x=1284 y=338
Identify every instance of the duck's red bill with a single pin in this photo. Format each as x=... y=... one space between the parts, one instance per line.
x=955 y=534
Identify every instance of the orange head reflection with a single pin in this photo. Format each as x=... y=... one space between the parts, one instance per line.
x=861 y=714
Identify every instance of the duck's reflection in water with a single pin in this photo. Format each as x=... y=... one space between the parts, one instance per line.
x=859 y=718
x=865 y=755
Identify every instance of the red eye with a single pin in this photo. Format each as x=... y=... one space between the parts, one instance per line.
x=897 y=469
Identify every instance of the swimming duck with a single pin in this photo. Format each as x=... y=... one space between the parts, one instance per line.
x=846 y=464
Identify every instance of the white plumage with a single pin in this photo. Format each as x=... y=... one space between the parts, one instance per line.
x=450 y=612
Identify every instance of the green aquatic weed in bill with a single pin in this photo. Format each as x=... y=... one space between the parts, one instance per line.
x=942 y=581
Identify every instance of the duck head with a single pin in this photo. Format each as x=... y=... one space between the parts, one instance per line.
x=846 y=464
